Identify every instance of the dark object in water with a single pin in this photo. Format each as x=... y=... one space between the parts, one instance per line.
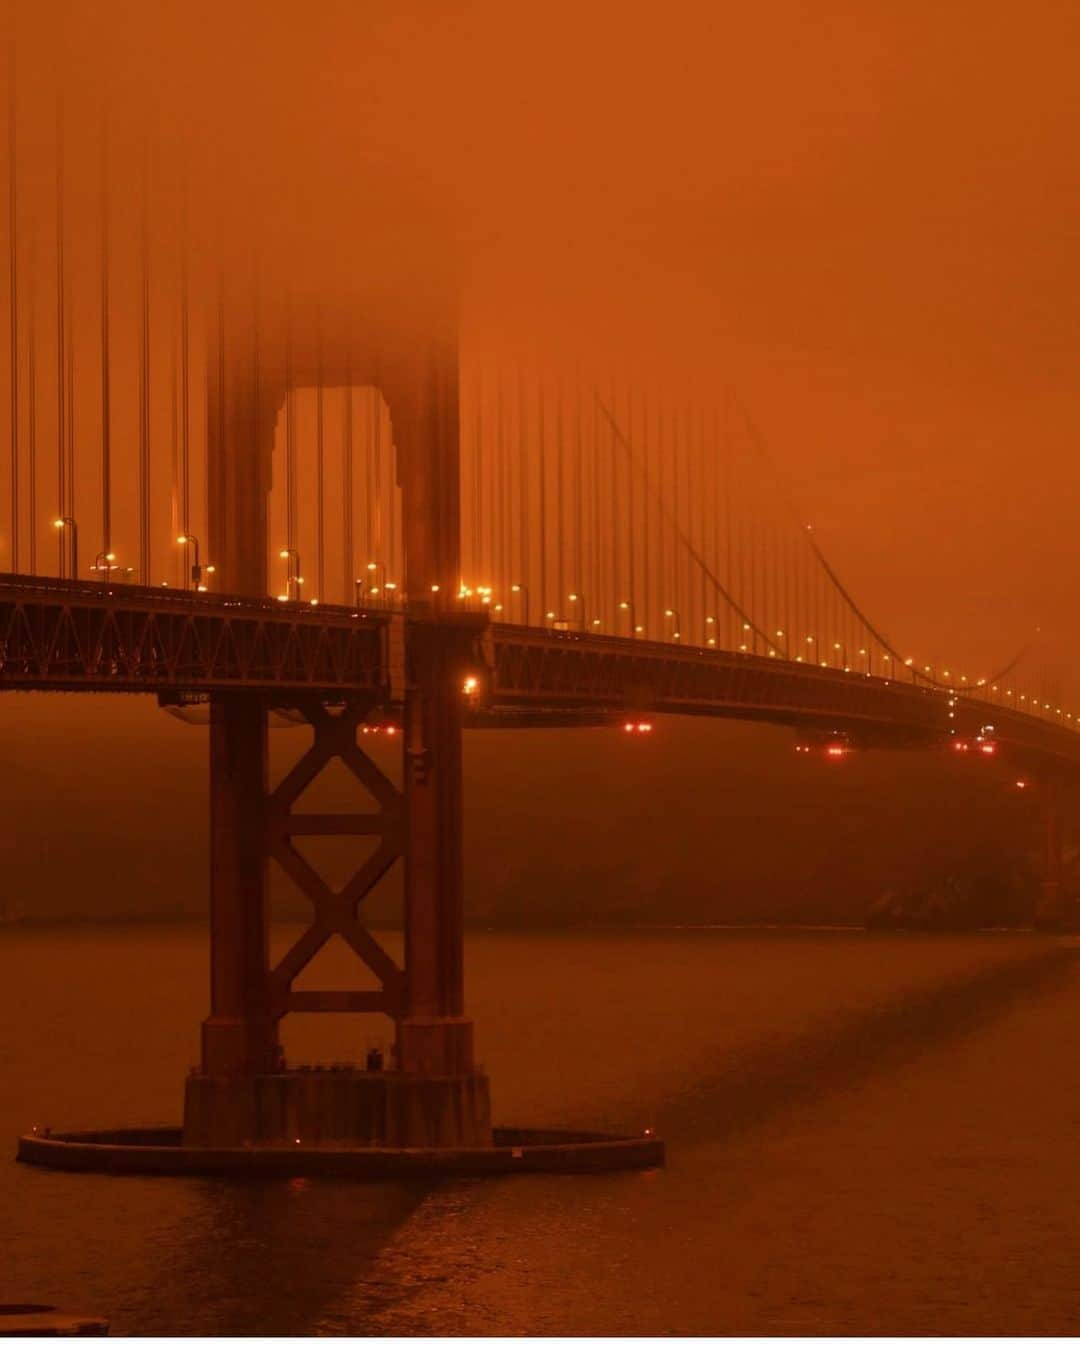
x=43 y=1319
x=963 y=900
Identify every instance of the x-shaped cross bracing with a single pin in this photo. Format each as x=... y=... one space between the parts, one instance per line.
x=336 y=912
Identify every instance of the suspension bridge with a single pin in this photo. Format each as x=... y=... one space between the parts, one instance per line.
x=335 y=508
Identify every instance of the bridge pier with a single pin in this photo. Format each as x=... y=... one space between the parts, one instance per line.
x=1050 y=905
x=432 y=1095
x=239 y=1037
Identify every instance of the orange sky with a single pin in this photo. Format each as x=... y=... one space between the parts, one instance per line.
x=858 y=217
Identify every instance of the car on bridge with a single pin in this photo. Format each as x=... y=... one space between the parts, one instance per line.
x=834 y=745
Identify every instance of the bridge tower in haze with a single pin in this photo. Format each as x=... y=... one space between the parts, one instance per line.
x=432 y=1094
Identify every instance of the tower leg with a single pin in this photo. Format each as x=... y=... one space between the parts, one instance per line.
x=239 y=1037
x=434 y=1036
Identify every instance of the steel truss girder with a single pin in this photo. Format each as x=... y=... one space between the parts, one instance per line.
x=335 y=912
x=530 y=667
x=137 y=640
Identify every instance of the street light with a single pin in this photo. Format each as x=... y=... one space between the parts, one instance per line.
x=628 y=606
x=576 y=598
x=378 y=570
x=196 y=566
x=292 y=573
x=518 y=589
x=68 y=523
x=103 y=562
x=673 y=615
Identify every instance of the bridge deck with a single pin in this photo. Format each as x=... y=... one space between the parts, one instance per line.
x=86 y=636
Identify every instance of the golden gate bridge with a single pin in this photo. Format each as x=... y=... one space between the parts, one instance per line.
x=346 y=508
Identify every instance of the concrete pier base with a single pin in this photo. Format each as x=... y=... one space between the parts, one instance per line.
x=343 y=1107
x=159 y=1151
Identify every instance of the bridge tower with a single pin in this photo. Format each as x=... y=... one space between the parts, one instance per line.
x=432 y=1094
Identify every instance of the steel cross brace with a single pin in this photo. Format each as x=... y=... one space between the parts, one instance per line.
x=335 y=911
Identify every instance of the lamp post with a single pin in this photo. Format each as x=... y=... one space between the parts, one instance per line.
x=189 y=540
x=376 y=572
x=631 y=613
x=293 y=577
x=103 y=562
x=576 y=598
x=710 y=631
x=676 y=623
x=518 y=589
x=68 y=523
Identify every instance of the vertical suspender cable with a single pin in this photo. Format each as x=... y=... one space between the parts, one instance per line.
x=320 y=476
x=661 y=479
x=597 y=578
x=491 y=494
x=144 y=372
x=370 y=394
x=672 y=600
x=106 y=429
x=617 y=591
x=542 y=460
x=376 y=456
x=256 y=377
x=31 y=413
x=174 y=434
x=478 y=577
x=560 y=494
x=501 y=579
x=523 y=483
x=290 y=455
x=61 y=393
x=185 y=375
x=697 y=599
x=348 y=544
x=580 y=580
x=646 y=451
x=223 y=393
x=13 y=296
x=631 y=523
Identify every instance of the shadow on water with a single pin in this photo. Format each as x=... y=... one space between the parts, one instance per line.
x=765 y=1079
x=264 y=1258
